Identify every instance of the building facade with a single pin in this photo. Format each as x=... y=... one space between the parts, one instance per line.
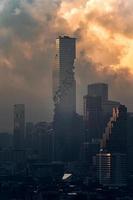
x=98 y=90
x=112 y=169
x=19 y=126
x=112 y=159
x=64 y=84
x=64 y=95
x=92 y=117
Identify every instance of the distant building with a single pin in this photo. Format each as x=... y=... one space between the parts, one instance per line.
x=64 y=84
x=93 y=117
x=5 y=140
x=130 y=143
x=103 y=163
x=112 y=159
x=107 y=107
x=64 y=95
x=42 y=142
x=89 y=151
x=101 y=90
x=29 y=129
x=13 y=155
x=19 y=126
x=114 y=139
x=112 y=169
x=98 y=90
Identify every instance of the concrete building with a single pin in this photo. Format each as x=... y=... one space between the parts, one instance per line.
x=98 y=90
x=103 y=166
x=29 y=135
x=42 y=141
x=101 y=90
x=114 y=138
x=64 y=95
x=112 y=159
x=64 y=84
x=107 y=107
x=93 y=117
x=19 y=126
x=112 y=169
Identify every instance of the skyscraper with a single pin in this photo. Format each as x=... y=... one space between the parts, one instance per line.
x=19 y=126
x=112 y=168
x=92 y=117
x=114 y=138
x=64 y=84
x=64 y=95
x=112 y=159
x=101 y=90
x=98 y=89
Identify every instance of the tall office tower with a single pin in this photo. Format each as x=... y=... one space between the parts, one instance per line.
x=103 y=168
x=111 y=168
x=114 y=139
x=64 y=84
x=19 y=126
x=114 y=145
x=98 y=89
x=130 y=143
x=101 y=90
x=64 y=95
x=92 y=117
x=29 y=128
x=43 y=141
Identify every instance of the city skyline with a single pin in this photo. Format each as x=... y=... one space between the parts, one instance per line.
x=103 y=52
x=66 y=91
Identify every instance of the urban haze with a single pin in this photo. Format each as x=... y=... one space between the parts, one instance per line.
x=28 y=29
x=66 y=109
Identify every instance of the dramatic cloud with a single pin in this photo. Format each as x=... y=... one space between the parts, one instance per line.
x=28 y=28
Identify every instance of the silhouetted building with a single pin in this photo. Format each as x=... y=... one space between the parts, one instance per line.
x=89 y=151
x=64 y=95
x=19 y=126
x=13 y=155
x=101 y=90
x=114 y=139
x=112 y=159
x=112 y=169
x=5 y=140
x=64 y=84
x=103 y=164
x=130 y=143
x=92 y=117
x=43 y=141
x=98 y=90
x=29 y=134
x=107 y=107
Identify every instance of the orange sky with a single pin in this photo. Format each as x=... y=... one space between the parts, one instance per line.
x=107 y=25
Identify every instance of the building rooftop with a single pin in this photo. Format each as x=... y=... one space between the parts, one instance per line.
x=65 y=37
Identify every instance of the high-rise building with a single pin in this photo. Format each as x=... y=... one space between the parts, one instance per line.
x=19 y=126
x=98 y=89
x=5 y=140
x=103 y=168
x=114 y=139
x=64 y=84
x=130 y=143
x=92 y=117
x=101 y=90
x=29 y=128
x=64 y=95
x=112 y=159
x=43 y=141
x=112 y=168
